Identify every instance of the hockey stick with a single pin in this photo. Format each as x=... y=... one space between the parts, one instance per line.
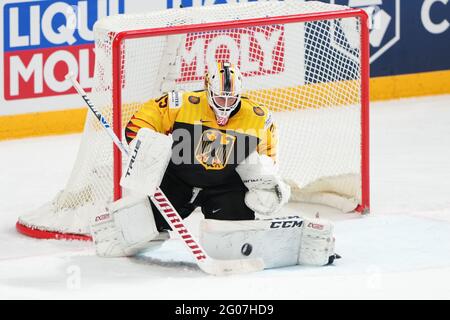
x=170 y=214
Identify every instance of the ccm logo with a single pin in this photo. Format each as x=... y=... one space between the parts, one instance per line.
x=286 y=224
x=102 y=217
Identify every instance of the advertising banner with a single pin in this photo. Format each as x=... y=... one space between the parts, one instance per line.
x=407 y=36
x=42 y=40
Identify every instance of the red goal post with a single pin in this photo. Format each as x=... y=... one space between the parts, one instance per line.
x=295 y=18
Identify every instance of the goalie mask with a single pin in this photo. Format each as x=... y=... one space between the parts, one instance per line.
x=223 y=87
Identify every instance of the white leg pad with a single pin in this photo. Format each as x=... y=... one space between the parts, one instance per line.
x=126 y=227
x=317 y=245
x=276 y=243
x=279 y=242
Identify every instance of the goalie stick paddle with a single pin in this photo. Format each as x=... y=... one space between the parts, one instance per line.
x=170 y=214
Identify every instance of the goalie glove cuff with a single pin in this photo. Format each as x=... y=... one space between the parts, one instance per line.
x=268 y=202
x=267 y=191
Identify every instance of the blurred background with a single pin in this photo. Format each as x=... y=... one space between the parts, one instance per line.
x=410 y=55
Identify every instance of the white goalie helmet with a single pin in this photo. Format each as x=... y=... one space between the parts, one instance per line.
x=223 y=85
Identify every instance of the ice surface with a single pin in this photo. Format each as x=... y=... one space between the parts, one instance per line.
x=401 y=250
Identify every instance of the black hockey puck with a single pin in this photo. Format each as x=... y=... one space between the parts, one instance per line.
x=246 y=249
x=332 y=258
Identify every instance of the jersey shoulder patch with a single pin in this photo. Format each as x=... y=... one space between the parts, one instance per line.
x=261 y=112
x=194 y=99
x=269 y=121
x=175 y=99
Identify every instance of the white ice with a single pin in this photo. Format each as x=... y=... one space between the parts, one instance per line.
x=400 y=250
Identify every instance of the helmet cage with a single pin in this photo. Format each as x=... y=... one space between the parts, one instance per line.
x=224 y=102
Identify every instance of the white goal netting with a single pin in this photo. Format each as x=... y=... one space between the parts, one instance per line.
x=308 y=73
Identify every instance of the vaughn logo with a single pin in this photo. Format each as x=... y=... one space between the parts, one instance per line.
x=316 y=226
x=43 y=40
x=102 y=217
x=252 y=49
x=384 y=23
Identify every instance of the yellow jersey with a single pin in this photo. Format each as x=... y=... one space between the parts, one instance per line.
x=205 y=154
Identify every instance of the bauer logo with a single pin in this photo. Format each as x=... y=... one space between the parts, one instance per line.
x=253 y=50
x=43 y=40
x=384 y=23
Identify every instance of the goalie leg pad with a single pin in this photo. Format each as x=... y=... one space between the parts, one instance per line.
x=275 y=241
x=126 y=227
x=317 y=245
x=279 y=242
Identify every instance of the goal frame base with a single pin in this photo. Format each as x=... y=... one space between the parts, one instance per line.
x=49 y=235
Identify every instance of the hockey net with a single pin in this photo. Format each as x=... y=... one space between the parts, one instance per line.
x=307 y=62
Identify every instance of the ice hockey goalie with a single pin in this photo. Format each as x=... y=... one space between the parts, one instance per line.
x=221 y=158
